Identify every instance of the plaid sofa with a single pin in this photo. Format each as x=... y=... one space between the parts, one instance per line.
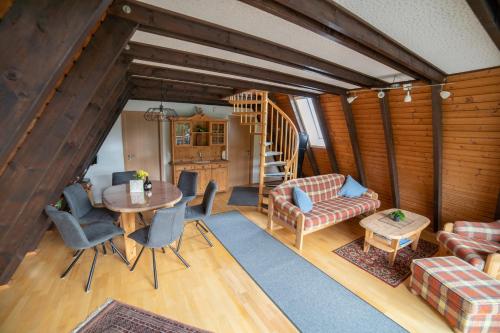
x=468 y=298
x=328 y=207
x=472 y=241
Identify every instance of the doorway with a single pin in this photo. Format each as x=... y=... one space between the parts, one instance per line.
x=141 y=144
x=239 y=152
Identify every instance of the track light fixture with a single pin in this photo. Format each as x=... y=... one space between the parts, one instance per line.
x=351 y=99
x=381 y=94
x=407 y=88
x=443 y=93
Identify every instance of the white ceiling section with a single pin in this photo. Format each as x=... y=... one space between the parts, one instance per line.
x=158 y=40
x=245 y=18
x=444 y=32
x=188 y=69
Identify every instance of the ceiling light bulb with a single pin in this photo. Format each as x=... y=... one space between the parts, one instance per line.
x=407 y=96
x=351 y=99
x=444 y=94
x=381 y=94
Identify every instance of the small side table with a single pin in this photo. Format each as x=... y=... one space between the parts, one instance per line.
x=386 y=234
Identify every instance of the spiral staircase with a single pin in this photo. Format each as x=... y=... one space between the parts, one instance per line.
x=279 y=141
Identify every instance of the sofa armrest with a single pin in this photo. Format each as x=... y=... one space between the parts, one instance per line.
x=286 y=208
x=371 y=194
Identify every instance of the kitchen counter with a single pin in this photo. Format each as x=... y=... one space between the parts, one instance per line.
x=198 y=163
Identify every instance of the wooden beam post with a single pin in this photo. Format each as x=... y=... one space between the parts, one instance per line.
x=497 y=211
x=40 y=39
x=302 y=128
x=202 y=78
x=164 y=22
x=327 y=138
x=437 y=153
x=353 y=135
x=41 y=150
x=187 y=59
x=389 y=143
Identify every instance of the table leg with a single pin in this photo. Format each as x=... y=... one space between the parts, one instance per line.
x=128 y=225
x=414 y=245
x=368 y=236
x=392 y=256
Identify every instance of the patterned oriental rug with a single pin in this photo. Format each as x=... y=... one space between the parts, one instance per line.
x=117 y=317
x=375 y=261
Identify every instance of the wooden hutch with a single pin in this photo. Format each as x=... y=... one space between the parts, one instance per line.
x=199 y=143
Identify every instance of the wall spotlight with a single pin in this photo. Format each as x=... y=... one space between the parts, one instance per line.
x=381 y=94
x=444 y=93
x=407 y=98
x=351 y=99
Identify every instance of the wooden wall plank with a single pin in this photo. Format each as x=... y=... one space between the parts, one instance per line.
x=43 y=38
x=39 y=152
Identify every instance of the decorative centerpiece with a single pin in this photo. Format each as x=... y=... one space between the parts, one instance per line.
x=144 y=176
x=397 y=215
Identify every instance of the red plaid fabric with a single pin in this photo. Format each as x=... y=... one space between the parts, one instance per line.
x=468 y=298
x=474 y=251
x=478 y=230
x=338 y=210
x=321 y=189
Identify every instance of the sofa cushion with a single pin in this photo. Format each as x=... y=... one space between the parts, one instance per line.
x=337 y=210
x=474 y=251
x=352 y=189
x=478 y=230
x=302 y=200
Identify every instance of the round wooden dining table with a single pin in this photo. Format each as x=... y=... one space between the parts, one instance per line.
x=118 y=198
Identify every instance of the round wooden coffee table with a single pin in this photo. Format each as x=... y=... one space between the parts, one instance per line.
x=390 y=236
x=118 y=198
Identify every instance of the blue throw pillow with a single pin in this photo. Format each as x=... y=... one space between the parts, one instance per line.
x=301 y=200
x=352 y=189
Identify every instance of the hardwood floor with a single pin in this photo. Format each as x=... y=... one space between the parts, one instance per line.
x=215 y=293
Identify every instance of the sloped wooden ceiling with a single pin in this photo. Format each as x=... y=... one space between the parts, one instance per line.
x=72 y=65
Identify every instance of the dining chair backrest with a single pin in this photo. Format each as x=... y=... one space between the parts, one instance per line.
x=188 y=183
x=167 y=226
x=209 y=197
x=122 y=177
x=69 y=228
x=78 y=200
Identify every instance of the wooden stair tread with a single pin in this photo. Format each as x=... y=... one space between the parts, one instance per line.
x=277 y=174
x=273 y=153
x=275 y=163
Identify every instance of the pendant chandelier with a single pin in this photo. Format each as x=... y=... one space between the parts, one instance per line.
x=161 y=113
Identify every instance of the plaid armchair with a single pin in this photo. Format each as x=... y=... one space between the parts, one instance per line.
x=328 y=207
x=478 y=243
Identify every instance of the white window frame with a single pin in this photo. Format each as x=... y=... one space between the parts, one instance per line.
x=310 y=121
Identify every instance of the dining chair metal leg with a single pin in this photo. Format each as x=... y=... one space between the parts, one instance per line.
x=137 y=260
x=179 y=242
x=76 y=253
x=77 y=256
x=91 y=274
x=104 y=249
x=115 y=250
x=179 y=256
x=204 y=236
x=202 y=225
x=163 y=250
x=141 y=219
x=154 y=268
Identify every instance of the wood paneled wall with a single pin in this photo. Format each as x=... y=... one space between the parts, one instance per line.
x=471 y=146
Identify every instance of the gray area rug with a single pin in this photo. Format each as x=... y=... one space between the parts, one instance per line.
x=313 y=301
x=244 y=196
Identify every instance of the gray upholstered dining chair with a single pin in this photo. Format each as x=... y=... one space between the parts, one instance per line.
x=122 y=177
x=81 y=207
x=198 y=213
x=81 y=238
x=166 y=228
x=188 y=184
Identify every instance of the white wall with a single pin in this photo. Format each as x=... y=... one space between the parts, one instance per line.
x=110 y=156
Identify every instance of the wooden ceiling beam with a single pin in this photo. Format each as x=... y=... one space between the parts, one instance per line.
x=149 y=94
x=488 y=13
x=329 y=20
x=168 y=23
x=202 y=78
x=157 y=93
x=186 y=59
x=169 y=86
x=37 y=49
x=25 y=182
